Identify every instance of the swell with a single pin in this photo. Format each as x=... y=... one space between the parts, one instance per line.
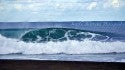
x=117 y=27
x=13 y=33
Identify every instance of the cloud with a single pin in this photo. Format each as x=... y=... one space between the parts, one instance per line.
x=112 y=3
x=60 y=5
x=92 y=5
x=1 y=6
x=33 y=7
x=42 y=5
x=115 y=3
x=26 y=1
x=41 y=10
x=18 y=6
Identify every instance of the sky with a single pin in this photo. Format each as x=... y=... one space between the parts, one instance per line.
x=61 y=10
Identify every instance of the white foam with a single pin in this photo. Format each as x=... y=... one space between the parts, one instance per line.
x=8 y=45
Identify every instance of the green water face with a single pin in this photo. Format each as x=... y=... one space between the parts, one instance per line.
x=59 y=34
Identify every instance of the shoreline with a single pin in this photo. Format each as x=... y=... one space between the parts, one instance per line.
x=6 y=64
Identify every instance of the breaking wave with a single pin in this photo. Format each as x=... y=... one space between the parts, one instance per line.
x=63 y=34
x=86 y=46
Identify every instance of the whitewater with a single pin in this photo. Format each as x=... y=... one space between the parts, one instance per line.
x=66 y=44
x=11 y=46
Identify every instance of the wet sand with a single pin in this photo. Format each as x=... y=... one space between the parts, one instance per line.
x=58 y=65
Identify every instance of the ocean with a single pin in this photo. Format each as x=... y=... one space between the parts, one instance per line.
x=99 y=41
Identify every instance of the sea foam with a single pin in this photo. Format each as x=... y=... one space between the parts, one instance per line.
x=13 y=46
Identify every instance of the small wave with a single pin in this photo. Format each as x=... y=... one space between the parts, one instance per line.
x=9 y=45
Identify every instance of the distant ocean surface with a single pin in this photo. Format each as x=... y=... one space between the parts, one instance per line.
x=100 y=41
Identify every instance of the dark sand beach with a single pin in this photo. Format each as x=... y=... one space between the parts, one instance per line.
x=58 y=65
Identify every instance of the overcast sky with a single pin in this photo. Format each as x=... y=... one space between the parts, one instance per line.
x=61 y=10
